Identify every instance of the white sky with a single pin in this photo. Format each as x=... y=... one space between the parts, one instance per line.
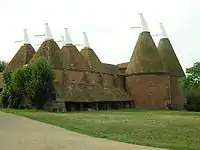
x=107 y=23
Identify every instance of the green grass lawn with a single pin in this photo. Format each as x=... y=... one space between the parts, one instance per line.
x=166 y=129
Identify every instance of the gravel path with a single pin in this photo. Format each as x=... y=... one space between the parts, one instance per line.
x=19 y=133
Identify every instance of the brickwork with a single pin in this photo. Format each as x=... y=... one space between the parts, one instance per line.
x=81 y=76
x=108 y=81
x=149 y=91
x=122 y=70
x=119 y=81
x=55 y=106
x=178 y=95
x=93 y=77
x=58 y=75
x=75 y=75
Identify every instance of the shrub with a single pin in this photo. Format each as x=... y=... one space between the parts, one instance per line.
x=4 y=98
x=3 y=65
x=41 y=84
x=20 y=81
x=193 y=100
x=9 y=98
x=30 y=84
x=191 y=82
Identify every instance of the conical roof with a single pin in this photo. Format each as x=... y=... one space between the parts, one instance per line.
x=72 y=58
x=92 y=59
x=22 y=57
x=169 y=57
x=50 y=50
x=145 y=57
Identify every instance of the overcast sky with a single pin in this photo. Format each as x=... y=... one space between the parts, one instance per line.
x=106 y=22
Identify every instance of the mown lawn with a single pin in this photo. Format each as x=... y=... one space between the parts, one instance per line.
x=166 y=129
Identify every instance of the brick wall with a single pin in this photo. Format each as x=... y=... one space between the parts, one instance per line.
x=58 y=75
x=93 y=77
x=55 y=106
x=122 y=70
x=149 y=91
x=178 y=95
x=119 y=81
x=108 y=81
x=75 y=75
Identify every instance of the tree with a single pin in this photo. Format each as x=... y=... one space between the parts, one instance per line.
x=193 y=99
x=9 y=98
x=192 y=78
x=2 y=65
x=191 y=82
x=20 y=81
x=6 y=90
x=41 y=82
x=29 y=84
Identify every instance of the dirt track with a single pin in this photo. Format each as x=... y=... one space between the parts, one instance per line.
x=19 y=133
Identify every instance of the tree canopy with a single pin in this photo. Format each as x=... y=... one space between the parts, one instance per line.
x=191 y=82
x=31 y=84
x=192 y=78
x=2 y=65
x=41 y=84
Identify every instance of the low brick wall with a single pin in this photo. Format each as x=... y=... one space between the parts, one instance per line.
x=55 y=106
x=149 y=91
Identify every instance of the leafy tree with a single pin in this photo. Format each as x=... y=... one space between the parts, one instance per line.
x=193 y=100
x=20 y=81
x=191 y=82
x=192 y=78
x=9 y=98
x=2 y=65
x=5 y=94
x=42 y=81
x=32 y=83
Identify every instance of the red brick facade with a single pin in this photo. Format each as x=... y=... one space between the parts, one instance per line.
x=178 y=95
x=149 y=91
x=153 y=91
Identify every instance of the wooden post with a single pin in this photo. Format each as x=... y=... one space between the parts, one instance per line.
x=69 y=106
x=81 y=106
x=121 y=104
x=104 y=106
x=66 y=106
x=96 y=106
x=93 y=106
x=108 y=106
x=132 y=104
